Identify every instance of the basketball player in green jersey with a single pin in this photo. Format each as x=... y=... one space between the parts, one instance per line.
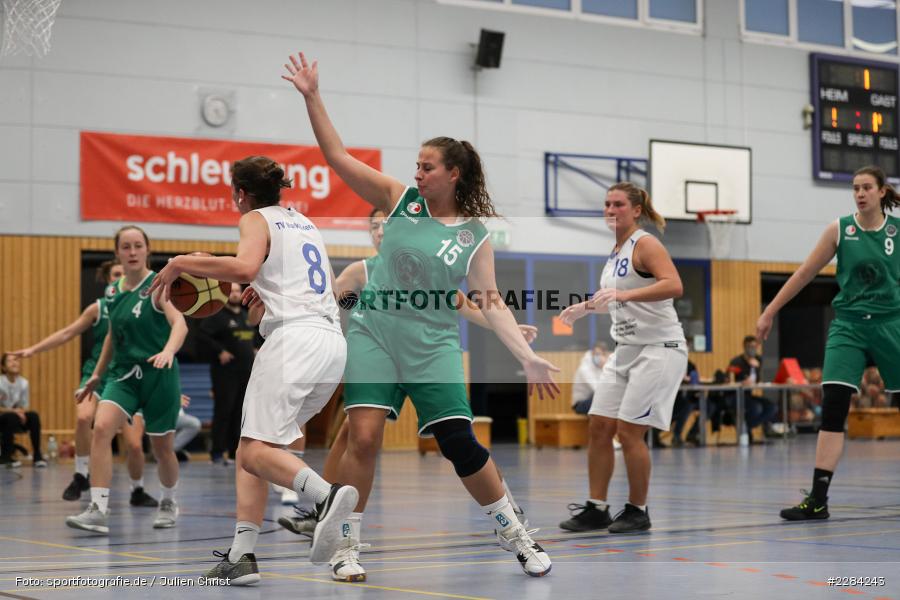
x=96 y=317
x=403 y=335
x=866 y=323
x=145 y=332
x=347 y=286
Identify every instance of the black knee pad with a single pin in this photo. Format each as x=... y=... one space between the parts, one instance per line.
x=457 y=442
x=835 y=406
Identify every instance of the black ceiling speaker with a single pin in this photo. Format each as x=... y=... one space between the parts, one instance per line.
x=490 y=48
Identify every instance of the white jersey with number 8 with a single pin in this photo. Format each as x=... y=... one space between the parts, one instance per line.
x=294 y=281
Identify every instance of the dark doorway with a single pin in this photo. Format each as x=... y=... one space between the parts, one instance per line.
x=802 y=325
x=498 y=388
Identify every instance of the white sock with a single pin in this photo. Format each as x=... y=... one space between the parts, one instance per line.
x=137 y=483
x=643 y=507
x=298 y=453
x=245 y=534
x=502 y=514
x=353 y=526
x=308 y=483
x=82 y=464
x=168 y=493
x=509 y=495
x=601 y=504
x=100 y=497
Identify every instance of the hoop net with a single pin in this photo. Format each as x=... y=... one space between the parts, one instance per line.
x=719 y=226
x=27 y=25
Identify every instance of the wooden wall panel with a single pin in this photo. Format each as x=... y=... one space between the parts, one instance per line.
x=41 y=278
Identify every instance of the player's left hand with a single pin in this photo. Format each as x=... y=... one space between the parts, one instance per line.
x=185 y=401
x=165 y=277
x=539 y=372
x=607 y=295
x=162 y=360
x=529 y=332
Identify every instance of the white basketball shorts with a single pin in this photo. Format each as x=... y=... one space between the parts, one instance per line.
x=639 y=384
x=294 y=375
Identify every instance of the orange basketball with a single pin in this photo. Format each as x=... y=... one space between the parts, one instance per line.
x=199 y=297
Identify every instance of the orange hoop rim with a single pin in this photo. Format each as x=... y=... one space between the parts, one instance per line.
x=702 y=214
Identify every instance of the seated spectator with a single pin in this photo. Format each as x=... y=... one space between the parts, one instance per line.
x=186 y=428
x=871 y=391
x=14 y=414
x=744 y=369
x=587 y=376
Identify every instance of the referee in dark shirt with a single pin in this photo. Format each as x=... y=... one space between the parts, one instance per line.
x=230 y=340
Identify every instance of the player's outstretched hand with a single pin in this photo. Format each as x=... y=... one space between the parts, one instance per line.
x=304 y=77
x=162 y=360
x=165 y=277
x=574 y=312
x=23 y=353
x=539 y=373
x=89 y=386
x=529 y=332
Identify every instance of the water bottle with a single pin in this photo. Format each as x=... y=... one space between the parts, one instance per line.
x=52 y=448
x=744 y=439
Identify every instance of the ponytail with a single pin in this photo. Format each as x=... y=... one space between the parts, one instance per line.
x=261 y=178
x=639 y=197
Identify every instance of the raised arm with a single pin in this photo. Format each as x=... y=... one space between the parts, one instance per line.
x=376 y=188
x=58 y=338
x=821 y=255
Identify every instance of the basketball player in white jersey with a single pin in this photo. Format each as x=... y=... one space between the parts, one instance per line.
x=640 y=380
x=282 y=255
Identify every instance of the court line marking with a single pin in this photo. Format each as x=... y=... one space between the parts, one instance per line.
x=378 y=587
x=67 y=547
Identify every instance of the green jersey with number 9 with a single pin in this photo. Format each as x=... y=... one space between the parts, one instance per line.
x=868 y=268
x=421 y=265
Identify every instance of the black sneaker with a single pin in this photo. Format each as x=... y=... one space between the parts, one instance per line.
x=182 y=456
x=10 y=462
x=141 y=498
x=332 y=512
x=79 y=484
x=243 y=572
x=631 y=519
x=303 y=524
x=808 y=510
x=589 y=518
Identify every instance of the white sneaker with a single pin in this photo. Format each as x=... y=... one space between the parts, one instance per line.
x=523 y=520
x=332 y=511
x=92 y=519
x=534 y=561
x=345 y=562
x=167 y=514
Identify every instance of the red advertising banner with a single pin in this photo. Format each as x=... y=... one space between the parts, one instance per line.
x=183 y=180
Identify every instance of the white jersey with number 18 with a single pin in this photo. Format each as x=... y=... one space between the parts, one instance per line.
x=294 y=281
x=638 y=323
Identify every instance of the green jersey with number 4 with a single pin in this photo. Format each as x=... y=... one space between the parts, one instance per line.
x=421 y=264
x=139 y=329
x=868 y=268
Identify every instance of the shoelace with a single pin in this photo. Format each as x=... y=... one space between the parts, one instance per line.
x=305 y=513
x=218 y=554
x=350 y=552
x=521 y=539
x=806 y=498
x=583 y=508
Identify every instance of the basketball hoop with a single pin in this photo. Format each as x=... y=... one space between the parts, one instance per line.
x=27 y=25
x=719 y=225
